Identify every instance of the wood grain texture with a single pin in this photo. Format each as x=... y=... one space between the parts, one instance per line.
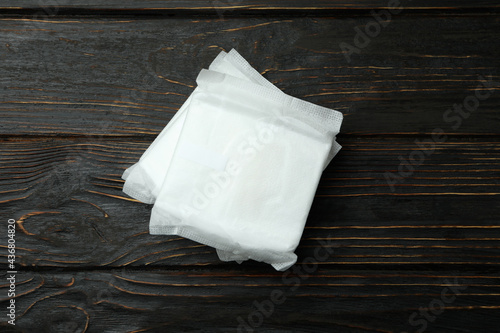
x=326 y=301
x=128 y=77
x=239 y=5
x=447 y=211
x=87 y=86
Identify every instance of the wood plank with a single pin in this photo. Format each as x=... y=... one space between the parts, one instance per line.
x=127 y=77
x=238 y=5
x=66 y=196
x=322 y=301
x=86 y=86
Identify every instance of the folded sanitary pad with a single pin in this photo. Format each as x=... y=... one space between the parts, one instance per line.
x=143 y=179
x=238 y=165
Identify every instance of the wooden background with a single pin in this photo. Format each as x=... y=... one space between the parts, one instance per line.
x=85 y=87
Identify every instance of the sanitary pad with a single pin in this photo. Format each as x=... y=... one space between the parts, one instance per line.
x=237 y=166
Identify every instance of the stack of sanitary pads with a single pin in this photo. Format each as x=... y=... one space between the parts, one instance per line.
x=237 y=166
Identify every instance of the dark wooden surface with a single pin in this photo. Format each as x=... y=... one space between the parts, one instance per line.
x=141 y=5
x=85 y=87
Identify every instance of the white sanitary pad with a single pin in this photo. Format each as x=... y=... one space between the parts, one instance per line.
x=143 y=179
x=237 y=167
x=245 y=169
